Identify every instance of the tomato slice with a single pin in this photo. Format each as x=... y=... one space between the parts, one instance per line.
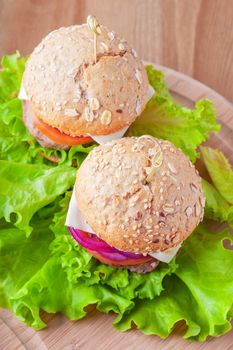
x=54 y=134
x=125 y=262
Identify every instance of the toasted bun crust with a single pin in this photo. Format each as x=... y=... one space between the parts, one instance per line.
x=130 y=211
x=71 y=92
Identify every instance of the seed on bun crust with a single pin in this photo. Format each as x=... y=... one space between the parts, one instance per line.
x=77 y=94
x=140 y=194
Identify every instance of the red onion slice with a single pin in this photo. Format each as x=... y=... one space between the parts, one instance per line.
x=94 y=243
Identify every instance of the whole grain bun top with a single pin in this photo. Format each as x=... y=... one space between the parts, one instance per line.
x=70 y=91
x=140 y=194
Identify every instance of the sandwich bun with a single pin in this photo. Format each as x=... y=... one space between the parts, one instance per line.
x=71 y=91
x=140 y=194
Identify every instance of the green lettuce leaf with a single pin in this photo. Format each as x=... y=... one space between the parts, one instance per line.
x=21 y=258
x=220 y=171
x=25 y=188
x=11 y=76
x=200 y=291
x=165 y=118
x=216 y=207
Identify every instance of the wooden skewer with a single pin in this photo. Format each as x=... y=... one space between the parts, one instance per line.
x=157 y=160
x=94 y=25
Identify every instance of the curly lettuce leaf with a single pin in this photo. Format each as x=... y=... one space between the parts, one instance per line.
x=200 y=292
x=11 y=76
x=220 y=171
x=41 y=293
x=164 y=118
x=216 y=207
x=21 y=258
x=31 y=277
x=25 y=188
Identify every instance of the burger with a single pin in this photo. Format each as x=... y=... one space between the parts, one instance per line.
x=135 y=201
x=82 y=83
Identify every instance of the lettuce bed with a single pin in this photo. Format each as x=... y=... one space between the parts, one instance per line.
x=41 y=266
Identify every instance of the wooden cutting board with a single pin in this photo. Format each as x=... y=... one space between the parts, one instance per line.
x=95 y=331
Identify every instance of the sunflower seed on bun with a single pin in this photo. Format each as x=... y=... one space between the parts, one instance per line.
x=140 y=194
x=76 y=92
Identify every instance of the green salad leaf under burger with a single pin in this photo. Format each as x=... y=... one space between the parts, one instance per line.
x=38 y=254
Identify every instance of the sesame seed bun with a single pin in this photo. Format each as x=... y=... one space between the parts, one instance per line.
x=68 y=90
x=134 y=206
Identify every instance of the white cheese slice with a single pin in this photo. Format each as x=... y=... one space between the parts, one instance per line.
x=151 y=92
x=101 y=139
x=75 y=219
x=22 y=94
x=166 y=255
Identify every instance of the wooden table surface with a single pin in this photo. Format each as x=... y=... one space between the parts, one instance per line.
x=192 y=36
